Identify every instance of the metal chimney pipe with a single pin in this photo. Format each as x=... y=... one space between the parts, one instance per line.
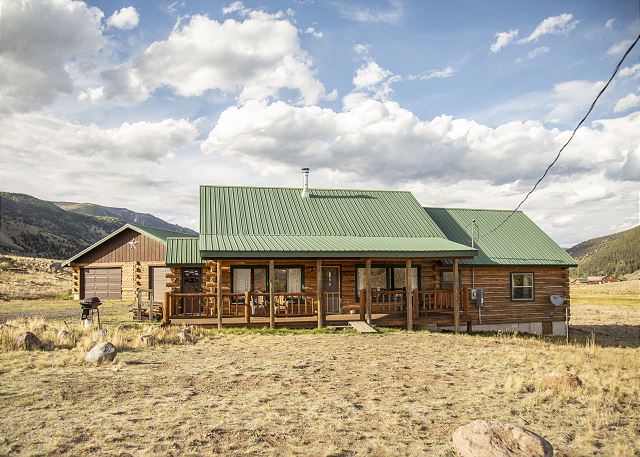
x=305 y=183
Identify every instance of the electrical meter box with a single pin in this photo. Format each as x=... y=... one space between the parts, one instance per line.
x=477 y=297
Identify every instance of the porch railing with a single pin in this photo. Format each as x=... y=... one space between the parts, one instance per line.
x=425 y=302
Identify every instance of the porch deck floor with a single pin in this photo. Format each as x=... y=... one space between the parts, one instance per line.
x=385 y=320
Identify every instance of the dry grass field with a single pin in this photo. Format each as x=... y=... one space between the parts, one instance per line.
x=239 y=392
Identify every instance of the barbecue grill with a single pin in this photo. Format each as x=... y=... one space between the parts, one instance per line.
x=88 y=307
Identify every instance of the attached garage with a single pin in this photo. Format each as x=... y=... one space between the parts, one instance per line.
x=105 y=283
x=129 y=260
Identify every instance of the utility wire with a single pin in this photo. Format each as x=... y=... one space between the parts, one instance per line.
x=615 y=71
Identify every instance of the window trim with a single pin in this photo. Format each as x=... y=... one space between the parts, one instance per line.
x=449 y=270
x=533 y=286
x=266 y=267
x=390 y=280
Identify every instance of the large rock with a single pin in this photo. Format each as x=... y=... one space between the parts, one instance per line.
x=146 y=339
x=28 y=341
x=103 y=352
x=495 y=439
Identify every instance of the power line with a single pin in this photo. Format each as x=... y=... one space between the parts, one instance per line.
x=615 y=71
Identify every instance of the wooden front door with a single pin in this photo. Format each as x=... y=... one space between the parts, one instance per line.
x=331 y=290
x=191 y=283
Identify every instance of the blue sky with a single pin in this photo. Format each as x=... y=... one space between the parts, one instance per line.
x=135 y=104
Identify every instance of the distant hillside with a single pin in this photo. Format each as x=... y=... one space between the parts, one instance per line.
x=124 y=214
x=616 y=254
x=38 y=228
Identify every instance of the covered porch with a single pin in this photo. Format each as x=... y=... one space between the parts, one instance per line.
x=305 y=293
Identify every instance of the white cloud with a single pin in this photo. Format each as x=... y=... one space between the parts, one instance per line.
x=43 y=135
x=627 y=102
x=126 y=18
x=312 y=31
x=630 y=72
x=533 y=54
x=562 y=104
x=254 y=58
x=391 y=14
x=361 y=48
x=370 y=136
x=91 y=95
x=445 y=72
x=43 y=36
x=370 y=75
x=619 y=47
x=235 y=7
x=552 y=25
x=503 y=39
x=609 y=23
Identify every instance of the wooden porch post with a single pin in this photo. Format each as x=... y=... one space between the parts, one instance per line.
x=219 y=292
x=247 y=307
x=319 y=293
x=272 y=305
x=408 y=280
x=456 y=297
x=368 y=284
x=166 y=314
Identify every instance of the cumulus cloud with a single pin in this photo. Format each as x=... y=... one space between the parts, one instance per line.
x=626 y=103
x=44 y=135
x=93 y=95
x=126 y=18
x=254 y=58
x=609 y=23
x=533 y=54
x=552 y=25
x=361 y=48
x=619 y=47
x=503 y=39
x=630 y=72
x=38 y=39
x=381 y=139
x=235 y=7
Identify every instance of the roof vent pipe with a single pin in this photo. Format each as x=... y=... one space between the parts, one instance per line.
x=305 y=183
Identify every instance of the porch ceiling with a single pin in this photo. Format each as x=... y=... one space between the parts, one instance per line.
x=300 y=246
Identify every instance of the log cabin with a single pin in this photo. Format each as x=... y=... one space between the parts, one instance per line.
x=282 y=257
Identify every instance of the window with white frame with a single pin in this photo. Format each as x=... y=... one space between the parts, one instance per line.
x=522 y=286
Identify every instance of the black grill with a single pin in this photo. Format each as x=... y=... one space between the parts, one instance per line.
x=88 y=305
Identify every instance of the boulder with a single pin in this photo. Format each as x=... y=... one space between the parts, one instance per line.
x=557 y=379
x=64 y=335
x=126 y=326
x=495 y=439
x=28 y=341
x=146 y=339
x=185 y=336
x=103 y=352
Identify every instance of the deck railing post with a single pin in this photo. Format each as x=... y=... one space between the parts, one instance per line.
x=319 y=293
x=368 y=285
x=219 y=292
x=166 y=312
x=456 y=297
x=362 y=303
x=272 y=305
x=247 y=307
x=408 y=280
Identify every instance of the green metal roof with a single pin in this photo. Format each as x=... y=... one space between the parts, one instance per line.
x=265 y=221
x=518 y=242
x=236 y=246
x=153 y=233
x=183 y=251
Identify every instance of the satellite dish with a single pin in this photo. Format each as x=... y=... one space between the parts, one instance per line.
x=557 y=300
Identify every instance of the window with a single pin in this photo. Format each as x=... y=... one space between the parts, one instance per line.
x=521 y=286
x=386 y=278
x=446 y=280
x=249 y=278
x=287 y=280
x=191 y=280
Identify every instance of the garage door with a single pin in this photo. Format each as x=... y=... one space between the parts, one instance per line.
x=159 y=283
x=104 y=283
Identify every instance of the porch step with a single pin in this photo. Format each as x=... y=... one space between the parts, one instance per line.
x=362 y=327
